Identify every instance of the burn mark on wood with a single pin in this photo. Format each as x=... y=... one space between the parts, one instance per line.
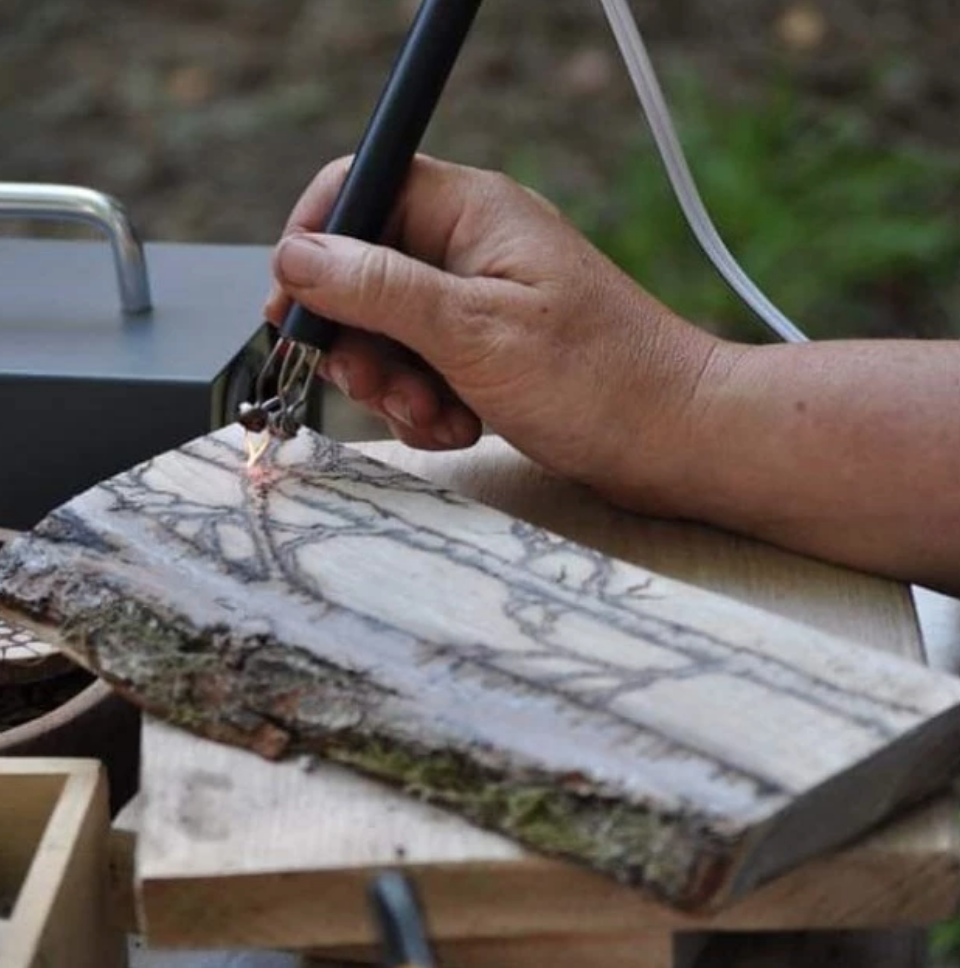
x=200 y=809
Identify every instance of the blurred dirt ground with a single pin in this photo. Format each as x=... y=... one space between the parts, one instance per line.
x=207 y=117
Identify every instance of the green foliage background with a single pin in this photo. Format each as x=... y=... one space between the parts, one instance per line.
x=847 y=233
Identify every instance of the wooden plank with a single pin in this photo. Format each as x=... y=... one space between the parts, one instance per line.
x=585 y=706
x=121 y=850
x=60 y=915
x=235 y=852
x=857 y=606
x=839 y=949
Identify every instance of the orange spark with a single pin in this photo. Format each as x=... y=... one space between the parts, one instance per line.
x=255 y=449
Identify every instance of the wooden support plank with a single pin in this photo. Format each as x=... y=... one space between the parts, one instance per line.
x=236 y=852
x=123 y=900
x=57 y=811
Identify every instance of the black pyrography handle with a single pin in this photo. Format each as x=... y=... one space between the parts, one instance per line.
x=393 y=135
x=403 y=936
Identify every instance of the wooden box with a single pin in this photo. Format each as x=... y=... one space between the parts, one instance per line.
x=54 y=899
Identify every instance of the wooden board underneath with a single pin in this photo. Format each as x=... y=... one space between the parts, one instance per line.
x=284 y=842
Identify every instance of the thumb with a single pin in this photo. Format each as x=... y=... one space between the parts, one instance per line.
x=371 y=287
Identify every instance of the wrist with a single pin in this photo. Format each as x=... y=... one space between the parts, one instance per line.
x=663 y=461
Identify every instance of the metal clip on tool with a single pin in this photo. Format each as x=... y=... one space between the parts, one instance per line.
x=366 y=200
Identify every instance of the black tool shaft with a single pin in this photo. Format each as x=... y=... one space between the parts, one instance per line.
x=393 y=135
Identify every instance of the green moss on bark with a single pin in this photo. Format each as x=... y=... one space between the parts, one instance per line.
x=626 y=840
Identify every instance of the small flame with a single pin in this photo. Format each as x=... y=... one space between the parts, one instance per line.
x=255 y=448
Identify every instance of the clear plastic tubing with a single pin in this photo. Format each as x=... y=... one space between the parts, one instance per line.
x=655 y=108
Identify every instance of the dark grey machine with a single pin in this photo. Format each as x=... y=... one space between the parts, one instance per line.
x=91 y=385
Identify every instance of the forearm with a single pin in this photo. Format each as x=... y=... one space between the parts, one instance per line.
x=848 y=451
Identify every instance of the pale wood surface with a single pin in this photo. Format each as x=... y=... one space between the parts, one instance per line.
x=586 y=707
x=861 y=607
x=25 y=810
x=289 y=839
x=56 y=811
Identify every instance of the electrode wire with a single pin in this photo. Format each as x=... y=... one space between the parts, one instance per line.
x=644 y=78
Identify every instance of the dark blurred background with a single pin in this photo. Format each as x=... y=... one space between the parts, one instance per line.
x=825 y=135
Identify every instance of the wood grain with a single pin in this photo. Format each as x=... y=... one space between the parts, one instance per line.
x=53 y=861
x=588 y=708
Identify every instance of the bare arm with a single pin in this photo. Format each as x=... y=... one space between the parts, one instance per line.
x=848 y=451
x=843 y=450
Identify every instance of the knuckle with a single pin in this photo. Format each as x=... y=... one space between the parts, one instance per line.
x=496 y=188
x=477 y=309
x=479 y=325
x=373 y=276
x=500 y=183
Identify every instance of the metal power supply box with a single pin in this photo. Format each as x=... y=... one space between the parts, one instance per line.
x=87 y=391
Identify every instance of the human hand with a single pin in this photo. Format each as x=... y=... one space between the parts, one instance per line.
x=522 y=324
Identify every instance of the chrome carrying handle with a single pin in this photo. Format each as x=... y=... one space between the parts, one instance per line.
x=69 y=203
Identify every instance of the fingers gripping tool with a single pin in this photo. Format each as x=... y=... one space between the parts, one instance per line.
x=365 y=202
x=380 y=168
